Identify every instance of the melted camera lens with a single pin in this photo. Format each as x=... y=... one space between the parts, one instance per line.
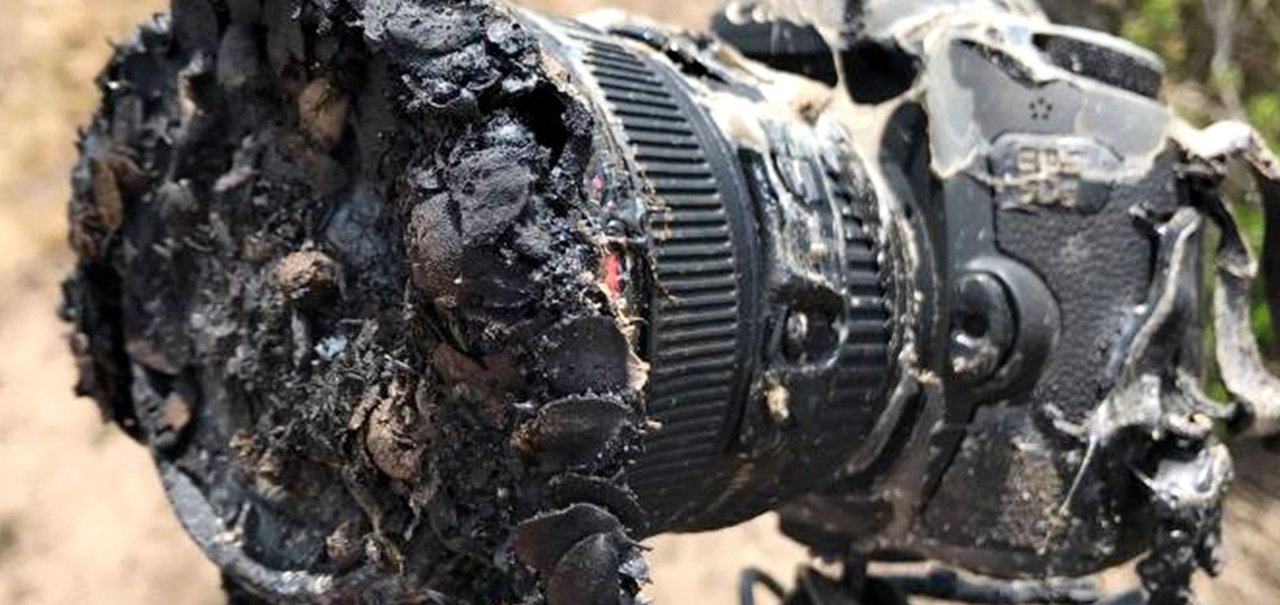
x=423 y=299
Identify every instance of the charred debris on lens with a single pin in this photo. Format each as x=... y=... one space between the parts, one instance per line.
x=443 y=301
x=337 y=267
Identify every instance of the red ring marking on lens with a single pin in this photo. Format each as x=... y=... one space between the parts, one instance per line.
x=613 y=273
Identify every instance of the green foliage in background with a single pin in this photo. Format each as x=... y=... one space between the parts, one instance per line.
x=1157 y=24
x=1183 y=32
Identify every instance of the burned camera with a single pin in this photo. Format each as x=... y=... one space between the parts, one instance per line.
x=453 y=302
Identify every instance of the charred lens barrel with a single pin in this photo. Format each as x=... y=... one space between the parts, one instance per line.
x=758 y=271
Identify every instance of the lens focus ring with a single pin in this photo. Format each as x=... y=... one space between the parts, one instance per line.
x=703 y=281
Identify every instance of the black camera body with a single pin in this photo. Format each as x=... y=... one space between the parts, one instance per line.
x=1041 y=161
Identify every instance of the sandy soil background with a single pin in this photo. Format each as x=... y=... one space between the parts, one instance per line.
x=82 y=516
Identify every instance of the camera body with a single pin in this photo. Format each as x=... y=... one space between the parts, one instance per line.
x=1038 y=160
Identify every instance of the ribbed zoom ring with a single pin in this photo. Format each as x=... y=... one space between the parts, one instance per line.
x=700 y=288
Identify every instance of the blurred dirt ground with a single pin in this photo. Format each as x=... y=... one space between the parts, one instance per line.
x=82 y=517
